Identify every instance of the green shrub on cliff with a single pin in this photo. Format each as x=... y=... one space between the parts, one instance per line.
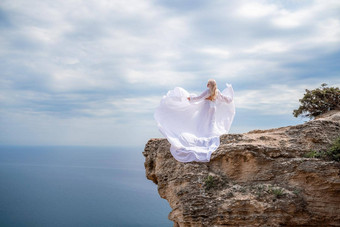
x=318 y=101
x=315 y=154
x=332 y=154
x=209 y=182
x=278 y=192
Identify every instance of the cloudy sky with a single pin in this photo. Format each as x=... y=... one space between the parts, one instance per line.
x=92 y=72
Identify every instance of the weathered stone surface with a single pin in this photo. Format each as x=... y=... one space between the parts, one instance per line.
x=259 y=178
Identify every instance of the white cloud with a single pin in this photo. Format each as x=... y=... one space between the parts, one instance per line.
x=277 y=99
x=274 y=100
x=215 y=52
x=157 y=77
x=288 y=19
x=269 y=46
x=122 y=107
x=256 y=10
x=72 y=80
x=328 y=31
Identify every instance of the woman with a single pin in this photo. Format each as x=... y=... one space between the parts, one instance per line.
x=193 y=124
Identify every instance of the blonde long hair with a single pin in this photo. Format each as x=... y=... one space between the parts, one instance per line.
x=212 y=88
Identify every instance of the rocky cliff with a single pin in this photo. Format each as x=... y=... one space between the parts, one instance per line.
x=259 y=178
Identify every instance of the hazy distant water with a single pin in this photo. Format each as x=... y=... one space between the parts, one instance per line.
x=77 y=186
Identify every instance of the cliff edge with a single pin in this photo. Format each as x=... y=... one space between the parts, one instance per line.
x=258 y=178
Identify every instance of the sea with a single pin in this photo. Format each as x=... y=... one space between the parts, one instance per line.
x=78 y=186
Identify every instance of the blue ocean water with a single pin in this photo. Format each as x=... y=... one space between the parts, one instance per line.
x=78 y=186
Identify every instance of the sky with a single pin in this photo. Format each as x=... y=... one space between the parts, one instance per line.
x=92 y=72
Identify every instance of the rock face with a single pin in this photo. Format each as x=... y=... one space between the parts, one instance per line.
x=259 y=178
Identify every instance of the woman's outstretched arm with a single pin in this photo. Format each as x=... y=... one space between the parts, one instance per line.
x=200 y=97
x=226 y=99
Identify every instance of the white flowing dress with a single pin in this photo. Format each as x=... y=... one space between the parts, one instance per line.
x=193 y=128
